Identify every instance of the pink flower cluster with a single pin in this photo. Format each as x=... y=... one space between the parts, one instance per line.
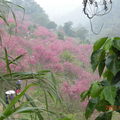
x=45 y=50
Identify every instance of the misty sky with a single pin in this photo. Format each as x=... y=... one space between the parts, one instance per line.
x=57 y=8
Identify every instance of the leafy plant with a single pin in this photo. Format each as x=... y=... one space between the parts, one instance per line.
x=104 y=95
x=28 y=106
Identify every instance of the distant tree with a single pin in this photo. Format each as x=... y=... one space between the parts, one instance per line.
x=31 y=28
x=68 y=29
x=60 y=35
x=51 y=25
x=82 y=33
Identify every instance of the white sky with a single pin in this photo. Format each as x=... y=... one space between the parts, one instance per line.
x=59 y=7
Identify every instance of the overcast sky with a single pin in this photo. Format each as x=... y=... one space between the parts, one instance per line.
x=59 y=7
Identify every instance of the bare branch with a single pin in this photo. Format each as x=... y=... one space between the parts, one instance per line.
x=94 y=8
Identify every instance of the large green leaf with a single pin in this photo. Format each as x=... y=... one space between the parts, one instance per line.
x=101 y=67
x=7 y=61
x=90 y=107
x=28 y=110
x=102 y=106
x=95 y=90
x=113 y=64
x=84 y=95
x=105 y=116
x=116 y=79
x=108 y=44
x=109 y=93
x=116 y=43
x=96 y=58
x=108 y=75
x=99 y=43
x=16 y=59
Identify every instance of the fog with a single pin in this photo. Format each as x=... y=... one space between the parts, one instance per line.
x=62 y=7
x=64 y=10
x=72 y=10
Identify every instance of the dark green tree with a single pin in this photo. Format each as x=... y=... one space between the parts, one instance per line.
x=51 y=25
x=68 y=29
x=60 y=35
x=82 y=33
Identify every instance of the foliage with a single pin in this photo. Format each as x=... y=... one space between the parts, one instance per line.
x=68 y=29
x=79 y=32
x=38 y=78
x=104 y=95
x=82 y=34
x=51 y=25
x=26 y=106
x=60 y=35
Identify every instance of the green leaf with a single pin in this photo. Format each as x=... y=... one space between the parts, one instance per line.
x=28 y=110
x=105 y=83
x=113 y=64
x=32 y=103
x=17 y=58
x=53 y=80
x=102 y=106
x=109 y=93
x=116 y=79
x=105 y=116
x=101 y=67
x=84 y=95
x=95 y=90
x=90 y=107
x=99 y=43
x=9 y=109
x=96 y=58
x=7 y=61
x=4 y=19
x=116 y=43
x=108 y=44
x=108 y=74
x=46 y=100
